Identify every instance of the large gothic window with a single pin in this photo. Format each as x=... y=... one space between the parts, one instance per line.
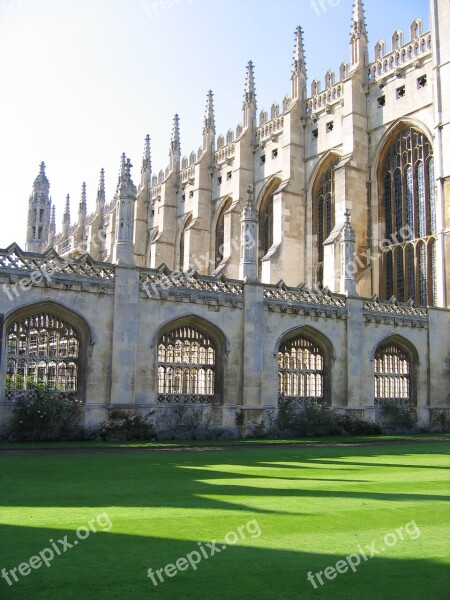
x=42 y=349
x=393 y=374
x=186 y=366
x=408 y=204
x=323 y=215
x=301 y=371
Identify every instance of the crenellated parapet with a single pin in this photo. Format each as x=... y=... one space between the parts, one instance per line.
x=402 y=55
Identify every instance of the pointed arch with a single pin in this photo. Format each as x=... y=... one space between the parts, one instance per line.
x=189 y=361
x=406 y=212
x=265 y=218
x=219 y=229
x=46 y=342
x=180 y=259
x=323 y=209
x=395 y=371
x=304 y=366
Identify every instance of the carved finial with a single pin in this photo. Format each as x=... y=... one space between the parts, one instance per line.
x=66 y=215
x=249 y=212
x=299 y=63
x=146 y=160
x=101 y=186
x=83 y=195
x=125 y=185
x=250 y=92
x=358 y=20
x=175 y=146
x=209 y=124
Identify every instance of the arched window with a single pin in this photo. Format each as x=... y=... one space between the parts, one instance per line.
x=393 y=373
x=187 y=359
x=42 y=350
x=323 y=214
x=302 y=370
x=408 y=212
x=220 y=233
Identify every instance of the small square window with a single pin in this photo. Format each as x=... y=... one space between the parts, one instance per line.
x=330 y=126
x=275 y=153
x=263 y=158
x=191 y=194
x=315 y=133
x=219 y=180
x=401 y=91
x=183 y=197
x=229 y=175
x=381 y=101
x=422 y=81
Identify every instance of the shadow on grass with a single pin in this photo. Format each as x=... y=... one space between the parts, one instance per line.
x=208 y=494
x=108 y=566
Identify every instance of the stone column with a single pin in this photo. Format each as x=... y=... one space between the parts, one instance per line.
x=125 y=337
x=253 y=344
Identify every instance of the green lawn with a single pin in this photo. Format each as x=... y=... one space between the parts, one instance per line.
x=293 y=509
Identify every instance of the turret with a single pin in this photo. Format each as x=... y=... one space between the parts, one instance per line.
x=39 y=209
x=125 y=206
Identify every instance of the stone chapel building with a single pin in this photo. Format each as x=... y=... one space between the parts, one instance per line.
x=303 y=256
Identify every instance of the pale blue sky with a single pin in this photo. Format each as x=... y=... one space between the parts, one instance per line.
x=84 y=80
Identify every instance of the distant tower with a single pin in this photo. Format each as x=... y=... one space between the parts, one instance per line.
x=125 y=207
x=39 y=214
x=249 y=106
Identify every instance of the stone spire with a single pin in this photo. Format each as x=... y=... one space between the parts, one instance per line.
x=66 y=219
x=298 y=73
x=39 y=209
x=248 y=267
x=358 y=35
x=125 y=208
x=52 y=235
x=175 y=146
x=146 y=169
x=348 y=282
x=101 y=196
x=209 y=124
x=82 y=207
x=250 y=98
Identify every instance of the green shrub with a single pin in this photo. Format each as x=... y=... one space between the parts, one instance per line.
x=40 y=415
x=397 y=417
x=314 y=419
x=125 y=426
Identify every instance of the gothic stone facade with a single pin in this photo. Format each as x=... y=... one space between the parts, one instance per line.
x=186 y=289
